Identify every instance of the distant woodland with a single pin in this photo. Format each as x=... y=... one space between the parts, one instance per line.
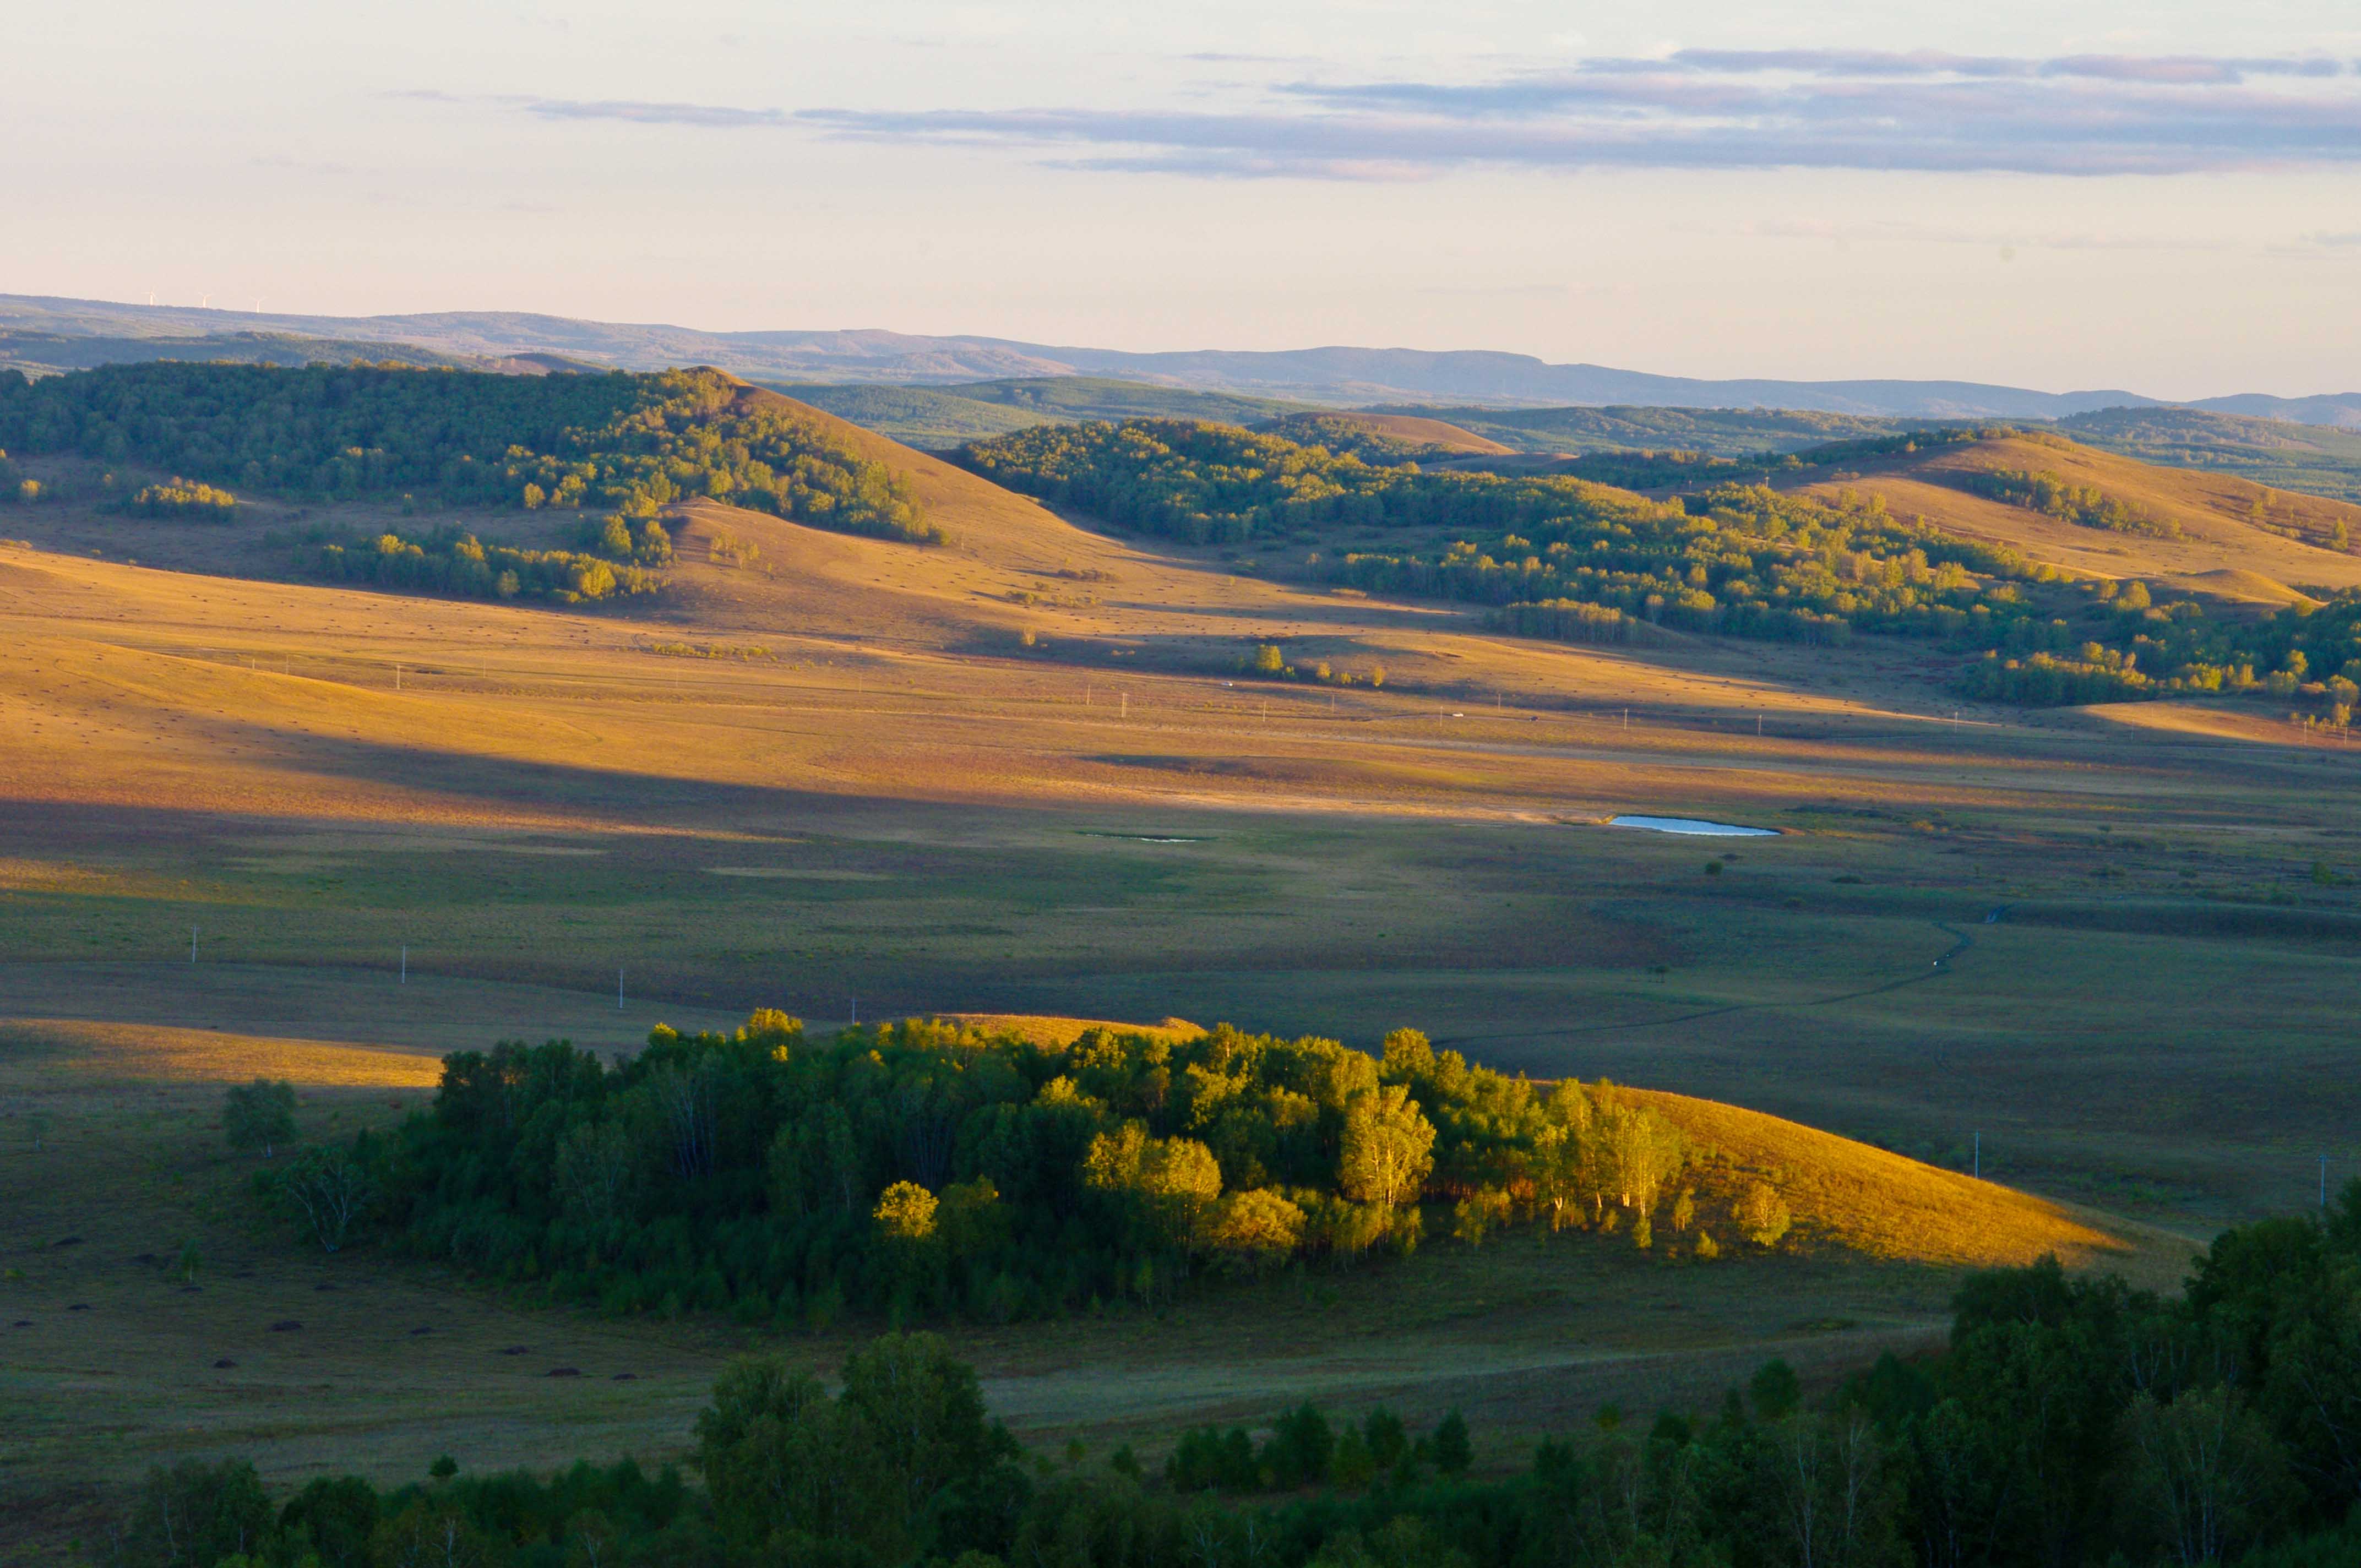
x=1569 y=558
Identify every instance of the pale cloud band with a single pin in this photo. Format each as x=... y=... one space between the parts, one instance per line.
x=2081 y=115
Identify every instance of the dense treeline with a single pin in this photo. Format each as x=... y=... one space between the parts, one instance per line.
x=1221 y=484
x=2068 y=1420
x=922 y=1168
x=1563 y=558
x=630 y=444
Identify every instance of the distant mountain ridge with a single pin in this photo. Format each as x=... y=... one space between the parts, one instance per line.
x=1333 y=376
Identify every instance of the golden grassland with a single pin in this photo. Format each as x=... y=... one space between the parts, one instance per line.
x=101 y=1053
x=881 y=794
x=2109 y=941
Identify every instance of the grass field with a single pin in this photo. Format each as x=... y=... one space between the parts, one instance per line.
x=2108 y=942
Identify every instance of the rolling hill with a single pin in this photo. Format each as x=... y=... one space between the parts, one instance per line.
x=49 y=353
x=1350 y=376
x=2276 y=451
x=2320 y=456
x=2316 y=458
x=2219 y=535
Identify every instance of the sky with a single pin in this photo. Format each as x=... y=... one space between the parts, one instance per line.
x=2146 y=195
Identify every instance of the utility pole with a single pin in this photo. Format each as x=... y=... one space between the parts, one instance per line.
x=2323 y=1181
x=405 y=963
x=1126 y=704
x=192 y=943
x=619 y=987
x=1980 y=1156
x=854 y=1002
x=397 y=677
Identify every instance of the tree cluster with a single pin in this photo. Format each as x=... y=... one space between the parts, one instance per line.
x=924 y=1169
x=630 y=444
x=186 y=498
x=452 y=561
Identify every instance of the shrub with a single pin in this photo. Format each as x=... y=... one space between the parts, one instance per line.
x=258 y=1116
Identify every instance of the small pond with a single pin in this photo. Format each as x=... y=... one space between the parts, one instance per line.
x=1692 y=825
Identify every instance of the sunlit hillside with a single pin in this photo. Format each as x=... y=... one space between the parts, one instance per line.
x=2216 y=533
x=1864 y=1198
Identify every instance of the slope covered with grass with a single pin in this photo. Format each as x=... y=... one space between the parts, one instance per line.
x=2185 y=522
x=1865 y=1199
x=1383 y=436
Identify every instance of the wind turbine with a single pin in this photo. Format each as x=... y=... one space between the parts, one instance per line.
x=204 y=301
x=151 y=296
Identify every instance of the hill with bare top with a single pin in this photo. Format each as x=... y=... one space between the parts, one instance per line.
x=2207 y=532
x=1409 y=432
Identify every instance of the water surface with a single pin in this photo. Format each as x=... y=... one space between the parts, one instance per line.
x=1692 y=824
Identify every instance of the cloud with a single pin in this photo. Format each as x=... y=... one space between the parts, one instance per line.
x=1897 y=231
x=2076 y=114
x=2183 y=70
x=708 y=115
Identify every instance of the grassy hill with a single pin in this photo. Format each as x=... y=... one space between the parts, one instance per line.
x=157 y=1308
x=2320 y=459
x=2213 y=534
x=1399 y=434
x=1866 y=1199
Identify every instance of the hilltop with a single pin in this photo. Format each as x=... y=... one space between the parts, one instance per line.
x=1384 y=435
x=937 y=418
